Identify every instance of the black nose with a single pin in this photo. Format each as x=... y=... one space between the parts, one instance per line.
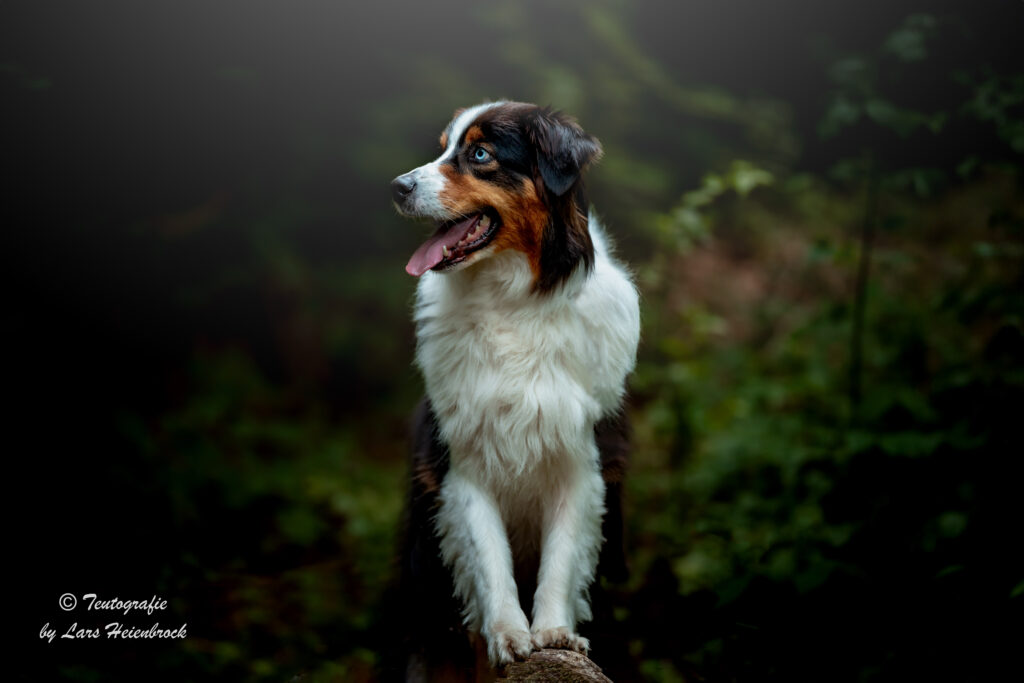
x=402 y=187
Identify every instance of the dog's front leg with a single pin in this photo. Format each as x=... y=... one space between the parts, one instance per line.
x=475 y=546
x=569 y=550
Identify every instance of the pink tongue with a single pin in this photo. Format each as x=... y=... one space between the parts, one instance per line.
x=431 y=252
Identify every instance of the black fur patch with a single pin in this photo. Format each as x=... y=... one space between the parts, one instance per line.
x=566 y=244
x=424 y=611
x=562 y=151
x=612 y=435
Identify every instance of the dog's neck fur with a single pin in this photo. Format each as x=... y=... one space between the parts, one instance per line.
x=506 y=280
x=518 y=376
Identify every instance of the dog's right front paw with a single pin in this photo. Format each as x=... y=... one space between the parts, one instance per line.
x=505 y=645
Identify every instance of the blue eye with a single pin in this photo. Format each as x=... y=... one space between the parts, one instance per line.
x=481 y=155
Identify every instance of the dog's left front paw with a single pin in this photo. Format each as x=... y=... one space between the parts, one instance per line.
x=561 y=638
x=505 y=646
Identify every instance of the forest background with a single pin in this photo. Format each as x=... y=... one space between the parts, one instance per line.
x=209 y=349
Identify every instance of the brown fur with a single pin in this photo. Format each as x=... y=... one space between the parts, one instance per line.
x=523 y=214
x=473 y=134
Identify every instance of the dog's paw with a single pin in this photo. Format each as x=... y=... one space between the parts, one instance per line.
x=561 y=638
x=505 y=645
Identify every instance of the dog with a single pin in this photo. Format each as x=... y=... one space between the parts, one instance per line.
x=527 y=328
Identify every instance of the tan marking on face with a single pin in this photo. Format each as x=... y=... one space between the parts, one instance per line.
x=444 y=140
x=473 y=134
x=523 y=214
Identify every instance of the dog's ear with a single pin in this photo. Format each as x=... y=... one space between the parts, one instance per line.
x=562 y=148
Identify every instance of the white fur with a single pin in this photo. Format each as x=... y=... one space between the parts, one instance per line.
x=517 y=380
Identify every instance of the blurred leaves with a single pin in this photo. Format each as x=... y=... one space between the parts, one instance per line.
x=1000 y=100
x=909 y=42
x=861 y=84
x=771 y=490
x=776 y=490
x=687 y=223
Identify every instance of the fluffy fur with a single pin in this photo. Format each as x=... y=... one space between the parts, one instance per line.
x=524 y=342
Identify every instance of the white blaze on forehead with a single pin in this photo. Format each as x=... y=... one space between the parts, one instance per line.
x=458 y=127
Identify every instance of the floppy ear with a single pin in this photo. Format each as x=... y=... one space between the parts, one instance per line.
x=562 y=149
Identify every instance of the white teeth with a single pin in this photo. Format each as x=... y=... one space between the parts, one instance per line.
x=444 y=250
x=481 y=226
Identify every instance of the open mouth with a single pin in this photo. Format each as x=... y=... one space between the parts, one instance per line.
x=453 y=242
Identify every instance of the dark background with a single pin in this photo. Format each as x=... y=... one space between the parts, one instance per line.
x=209 y=351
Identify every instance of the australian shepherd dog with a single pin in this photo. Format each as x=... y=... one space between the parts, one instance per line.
x=526 y=328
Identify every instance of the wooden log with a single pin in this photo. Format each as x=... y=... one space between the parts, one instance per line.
x=556 y=666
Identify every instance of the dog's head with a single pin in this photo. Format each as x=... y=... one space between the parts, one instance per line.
x=508 y=178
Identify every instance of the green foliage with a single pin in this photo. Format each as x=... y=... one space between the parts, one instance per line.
x=752 y=473
x=860 y=81
x=764 y=489
x=281 y=513
x=1000 y=100
x=685 y=224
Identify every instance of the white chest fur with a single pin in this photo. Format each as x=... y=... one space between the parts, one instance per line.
x=518 y=380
